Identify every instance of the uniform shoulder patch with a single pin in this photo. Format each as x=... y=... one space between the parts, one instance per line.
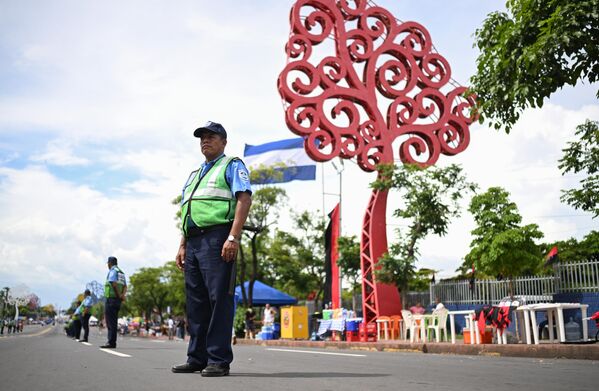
x=243 y=174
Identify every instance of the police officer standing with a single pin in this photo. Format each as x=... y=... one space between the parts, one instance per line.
x=115 y=290
x=215 y=204
x=76 y=326
x=86 y=306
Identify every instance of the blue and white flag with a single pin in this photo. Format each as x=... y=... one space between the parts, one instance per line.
x=289 y=154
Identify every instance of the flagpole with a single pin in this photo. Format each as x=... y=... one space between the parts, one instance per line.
x=340 y=226
x=323 y=194
x=339 y=170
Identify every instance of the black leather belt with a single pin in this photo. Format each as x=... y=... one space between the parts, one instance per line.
x=197 y=231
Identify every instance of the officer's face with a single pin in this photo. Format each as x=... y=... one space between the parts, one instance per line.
x=213 y=145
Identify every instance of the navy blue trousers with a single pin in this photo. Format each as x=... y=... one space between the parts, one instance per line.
x=113 y=305
x=77 y=328
x=210 y=308
x=85 y=325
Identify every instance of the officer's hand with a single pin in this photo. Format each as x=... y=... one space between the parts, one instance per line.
x=180 y=258
x=229 y=252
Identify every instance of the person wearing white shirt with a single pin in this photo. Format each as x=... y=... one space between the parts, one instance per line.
x=438 y=305
x=268 y=317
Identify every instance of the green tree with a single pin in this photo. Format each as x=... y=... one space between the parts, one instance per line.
x=431 y=200
x=175 y=283
x=48 y=310
x=571 y=250
x=296 y=259
x=583 y=157
x=149 y=290
x=531 y=51
x=350 y=264
x=266 y=204
x=501 y=246
x=177 y=202
x=422 y=279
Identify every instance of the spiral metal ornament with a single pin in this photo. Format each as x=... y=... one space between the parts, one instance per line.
x=358 y=80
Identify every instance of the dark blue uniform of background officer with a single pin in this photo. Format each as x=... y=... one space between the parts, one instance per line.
x=215 y=204
x=115 y=291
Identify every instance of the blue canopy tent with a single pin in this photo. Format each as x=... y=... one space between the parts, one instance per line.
x=264 y=294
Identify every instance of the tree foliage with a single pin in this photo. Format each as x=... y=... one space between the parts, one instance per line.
x=349 y=259
x=501 y=246
x=266 y=204
x=349 y=263
x=149 y=290
x=572 y=250
x=582 y=156
x=296 y=259
x=532 y=50
x=431 y=200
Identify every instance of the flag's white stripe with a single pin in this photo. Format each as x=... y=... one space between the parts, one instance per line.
x=115 y=353
x=290 y=157
x=317 y=352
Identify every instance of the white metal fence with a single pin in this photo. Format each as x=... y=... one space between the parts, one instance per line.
x=578 y=276
x=569 y=277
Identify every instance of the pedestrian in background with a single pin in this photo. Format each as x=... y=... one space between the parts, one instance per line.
x=215 y=204
x=250 y=318
x=171 y=327
x=268 y=317
x=115 y=290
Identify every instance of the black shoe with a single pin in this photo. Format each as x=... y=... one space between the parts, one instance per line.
x=108 y=346
x=83 y=340
x=215 y=370
x=187 y=368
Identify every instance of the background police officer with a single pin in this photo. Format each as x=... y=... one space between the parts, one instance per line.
x=86 y=312
x=215 y=204
x=115 y=290
x=76 y=326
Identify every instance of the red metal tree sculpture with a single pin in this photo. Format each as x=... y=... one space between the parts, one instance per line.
x=358 y=84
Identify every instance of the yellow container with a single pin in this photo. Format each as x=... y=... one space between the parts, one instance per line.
x=294 y=322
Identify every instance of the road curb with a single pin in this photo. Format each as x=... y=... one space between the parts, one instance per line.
x=568 y=351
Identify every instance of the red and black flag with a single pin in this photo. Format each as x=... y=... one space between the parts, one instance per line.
x=551 y=257
x=331 y=286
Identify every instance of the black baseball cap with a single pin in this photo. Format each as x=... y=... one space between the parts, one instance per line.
x=210 y=126
x=112 y=260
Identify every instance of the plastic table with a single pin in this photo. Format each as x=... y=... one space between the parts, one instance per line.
x=473 y=329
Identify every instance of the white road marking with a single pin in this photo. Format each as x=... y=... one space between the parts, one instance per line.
x=157 y=341
x=86 y=343
x=115 y=353
x=315 y=352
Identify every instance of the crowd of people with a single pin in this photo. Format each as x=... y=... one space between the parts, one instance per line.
x=11 y=326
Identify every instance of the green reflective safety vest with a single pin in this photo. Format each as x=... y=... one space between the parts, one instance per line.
x=207 y=200
x=120 y=281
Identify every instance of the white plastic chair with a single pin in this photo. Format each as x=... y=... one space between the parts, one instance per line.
x=439 y=323
x=409 y=324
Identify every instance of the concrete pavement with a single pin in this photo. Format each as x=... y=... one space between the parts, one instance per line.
x=51 y=361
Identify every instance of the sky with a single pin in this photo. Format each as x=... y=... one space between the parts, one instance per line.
x=99 y=99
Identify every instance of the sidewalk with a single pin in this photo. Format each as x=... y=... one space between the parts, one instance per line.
x=544 y=350
x=570 y=351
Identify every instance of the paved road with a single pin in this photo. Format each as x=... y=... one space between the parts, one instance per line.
x=47 y=360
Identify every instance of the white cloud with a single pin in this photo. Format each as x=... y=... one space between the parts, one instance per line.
x=62 y=233
x=59 y=153
x=123 y=91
